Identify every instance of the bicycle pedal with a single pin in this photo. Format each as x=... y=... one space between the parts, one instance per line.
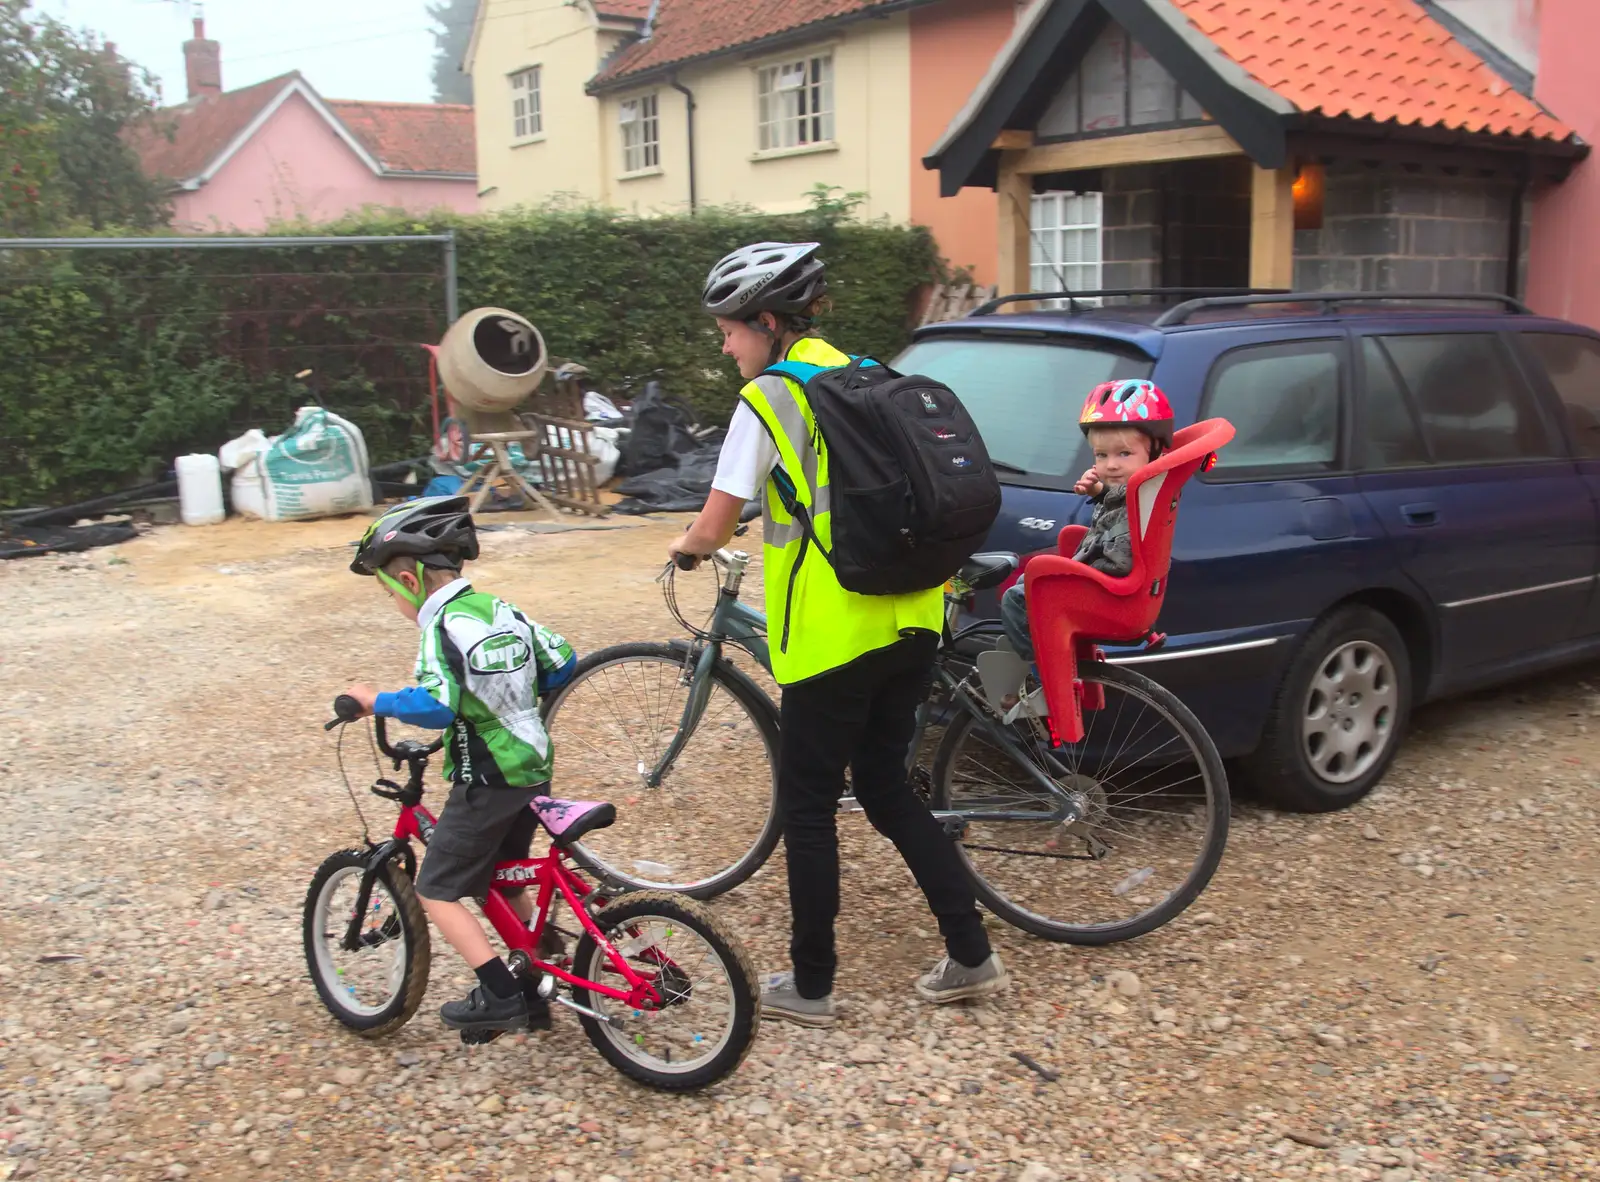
x=478 y=1038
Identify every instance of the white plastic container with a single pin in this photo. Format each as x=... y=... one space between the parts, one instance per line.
x=200 y=490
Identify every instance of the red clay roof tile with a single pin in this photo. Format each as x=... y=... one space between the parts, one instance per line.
x=413 y=137
x=1385 y=60
x=635 y=10
x=686 y=29
x=179 y=142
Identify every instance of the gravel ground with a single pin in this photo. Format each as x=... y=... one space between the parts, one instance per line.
x=1409 y=990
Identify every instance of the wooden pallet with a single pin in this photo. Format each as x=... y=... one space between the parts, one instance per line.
x=568 y=471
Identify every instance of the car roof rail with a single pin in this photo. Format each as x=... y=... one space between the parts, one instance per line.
x=1327 y=300
x=1072 y=297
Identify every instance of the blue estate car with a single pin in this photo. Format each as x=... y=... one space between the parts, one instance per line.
x=1409 y=508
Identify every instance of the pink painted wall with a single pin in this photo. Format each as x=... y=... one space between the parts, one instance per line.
x=951 y=47
x=297 y=167
x=1564 y=250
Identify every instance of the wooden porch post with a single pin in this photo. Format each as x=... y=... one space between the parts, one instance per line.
x=1272 y=228
x=1015 y=191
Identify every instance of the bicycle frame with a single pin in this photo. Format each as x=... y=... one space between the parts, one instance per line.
x=732 y=621
x=548 y=875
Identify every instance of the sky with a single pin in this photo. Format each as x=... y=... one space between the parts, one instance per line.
x=347 y=49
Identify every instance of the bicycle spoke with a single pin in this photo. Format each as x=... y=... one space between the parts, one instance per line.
x=1146 y=801
x=711 y=807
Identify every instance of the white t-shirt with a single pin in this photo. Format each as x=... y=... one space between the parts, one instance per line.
x=747 y=458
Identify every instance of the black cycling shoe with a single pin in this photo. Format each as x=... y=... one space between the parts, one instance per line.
x=484 y=1010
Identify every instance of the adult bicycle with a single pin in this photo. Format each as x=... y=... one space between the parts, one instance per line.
x=1093 y=842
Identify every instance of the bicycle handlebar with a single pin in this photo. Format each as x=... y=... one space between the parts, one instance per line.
x=347 y=709
x=724 y=556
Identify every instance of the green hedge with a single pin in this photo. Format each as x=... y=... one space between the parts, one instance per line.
x=117 y=361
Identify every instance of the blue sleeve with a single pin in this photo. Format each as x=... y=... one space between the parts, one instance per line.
x=554 y=679
x=415 y=706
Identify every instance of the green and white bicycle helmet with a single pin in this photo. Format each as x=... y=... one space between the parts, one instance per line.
x=436 y=531
x=779 y=277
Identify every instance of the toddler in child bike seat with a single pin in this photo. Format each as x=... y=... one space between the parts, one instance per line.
x=480 y=669
x=1128 y=424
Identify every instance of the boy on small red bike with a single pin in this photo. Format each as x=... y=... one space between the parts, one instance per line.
x=480 y=669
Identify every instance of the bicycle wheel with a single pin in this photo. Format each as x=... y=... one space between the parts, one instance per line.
x=1148 y=785
x=375 y=989
x=713 y=1000
x=712 y=821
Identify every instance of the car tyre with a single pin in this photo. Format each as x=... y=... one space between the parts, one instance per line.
x=1338 y=717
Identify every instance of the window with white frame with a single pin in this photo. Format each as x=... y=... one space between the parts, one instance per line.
x=527 y=115
x=1066 y=242
x=796 y=102
x=641 y=134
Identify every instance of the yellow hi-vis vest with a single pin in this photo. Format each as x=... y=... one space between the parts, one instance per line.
x=813 y=624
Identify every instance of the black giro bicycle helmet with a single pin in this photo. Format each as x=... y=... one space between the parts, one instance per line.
x=778 y=277
x=436 y=531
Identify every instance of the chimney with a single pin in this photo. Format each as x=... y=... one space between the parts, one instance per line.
x=202 y=61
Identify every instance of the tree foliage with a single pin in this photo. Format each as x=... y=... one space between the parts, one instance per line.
x=65 y=99
x=453 y=29
x=117 y=361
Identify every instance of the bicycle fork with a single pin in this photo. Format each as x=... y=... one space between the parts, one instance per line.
x=697 y=667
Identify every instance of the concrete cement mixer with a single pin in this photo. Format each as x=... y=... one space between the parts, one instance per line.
x=491 y=362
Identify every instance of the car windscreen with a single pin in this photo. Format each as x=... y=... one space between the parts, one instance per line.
x=1025 y=395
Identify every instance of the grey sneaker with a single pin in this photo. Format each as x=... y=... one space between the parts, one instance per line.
x=779 y=999
x=951 y=981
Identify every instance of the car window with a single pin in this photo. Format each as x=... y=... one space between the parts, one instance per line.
x=1389 y=425
x=1473 y=405
x=1024 y=395
x=1573 y=363
x=1283 y=402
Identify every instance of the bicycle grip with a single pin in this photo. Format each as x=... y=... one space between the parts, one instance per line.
x=346 y=709
x=686 y=561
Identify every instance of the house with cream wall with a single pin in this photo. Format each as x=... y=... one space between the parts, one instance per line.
x=669 y=106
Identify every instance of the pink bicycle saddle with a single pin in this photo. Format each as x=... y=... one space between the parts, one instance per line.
x=569 y=820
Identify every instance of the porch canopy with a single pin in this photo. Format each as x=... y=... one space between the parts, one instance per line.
x=1086 y=86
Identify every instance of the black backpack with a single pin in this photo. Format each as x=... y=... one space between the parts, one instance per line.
x=912 y=491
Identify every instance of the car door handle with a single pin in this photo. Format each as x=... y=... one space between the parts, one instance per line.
x=1423 y=513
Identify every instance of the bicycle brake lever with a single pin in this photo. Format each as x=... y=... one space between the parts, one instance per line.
x=332 y=722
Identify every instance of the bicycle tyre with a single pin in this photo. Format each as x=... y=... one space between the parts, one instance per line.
x=1210 y=768
x=730 y=953
x=758 y=707
x=417 y=954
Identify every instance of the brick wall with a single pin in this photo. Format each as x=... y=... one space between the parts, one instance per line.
x=1176 y=225
x=1387 y=229
x=1130 y=216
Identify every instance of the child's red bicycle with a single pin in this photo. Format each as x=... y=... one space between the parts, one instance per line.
x=664 y=991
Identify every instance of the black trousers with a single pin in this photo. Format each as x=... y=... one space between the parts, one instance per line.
x=862 y=716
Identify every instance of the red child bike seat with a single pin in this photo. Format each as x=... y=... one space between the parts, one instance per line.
x=1072 y=606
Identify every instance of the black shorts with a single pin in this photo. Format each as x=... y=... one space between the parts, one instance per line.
x=479 y=827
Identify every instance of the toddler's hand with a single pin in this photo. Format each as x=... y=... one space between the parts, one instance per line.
x=364 y=694
x=1088 y=484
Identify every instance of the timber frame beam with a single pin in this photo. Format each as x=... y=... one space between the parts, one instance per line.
x=1113 y=151
x=1271 y=196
